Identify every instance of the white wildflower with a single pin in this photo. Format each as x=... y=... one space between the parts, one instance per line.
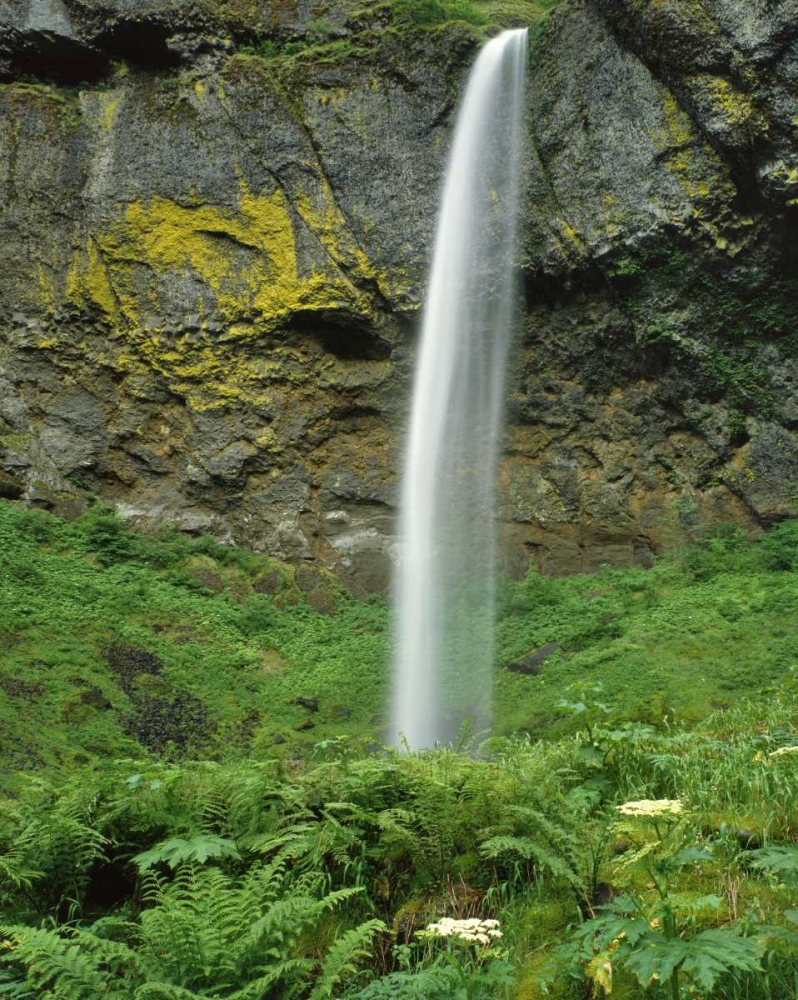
x=651 y=808
x=471 y=930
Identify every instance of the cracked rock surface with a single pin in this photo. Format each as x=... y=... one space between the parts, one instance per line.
x=217 y=217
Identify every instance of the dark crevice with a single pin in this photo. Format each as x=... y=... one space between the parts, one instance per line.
x=348 y=337
x=222 y=237
x=143 y=43
x=354 y=413
x=51 y=58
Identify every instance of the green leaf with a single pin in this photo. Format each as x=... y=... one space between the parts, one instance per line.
x=781 y=860
x=178 y=851
x=703 y=958
x=343 y=958
x=714 y=952
x=691 y=855
x=618 y=921
x=656 y=957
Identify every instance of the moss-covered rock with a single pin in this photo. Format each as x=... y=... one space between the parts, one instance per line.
x=218 y=217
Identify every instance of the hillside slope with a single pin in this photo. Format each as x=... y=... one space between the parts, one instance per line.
x=115 y=644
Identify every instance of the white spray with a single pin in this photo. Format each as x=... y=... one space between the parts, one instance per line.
x=444 y=601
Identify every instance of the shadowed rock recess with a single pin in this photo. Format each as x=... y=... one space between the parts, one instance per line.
x=216 y=220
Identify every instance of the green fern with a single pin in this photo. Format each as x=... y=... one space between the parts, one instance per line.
x=56 y=964
x=343 y=958
x=166 y=991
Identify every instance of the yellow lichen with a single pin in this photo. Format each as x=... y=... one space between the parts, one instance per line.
x=678 y=127
x=109 y=107
x=731 y=104
x=245 y=258
x=246 y=263
x=679 y=142
x=88 y=281
x=47 y=288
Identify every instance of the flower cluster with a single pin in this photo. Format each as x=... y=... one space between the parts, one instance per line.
x=782 y=751
x=651 y=808
x=474 y=930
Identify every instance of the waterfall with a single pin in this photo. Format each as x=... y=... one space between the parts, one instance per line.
x=444 y=584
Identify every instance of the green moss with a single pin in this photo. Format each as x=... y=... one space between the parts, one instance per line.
x=378 y=23
x=232 y=628
x=59 y=104
x=426 y=13
x=743 y=381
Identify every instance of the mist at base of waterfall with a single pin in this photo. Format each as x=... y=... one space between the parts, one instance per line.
x=444 y=583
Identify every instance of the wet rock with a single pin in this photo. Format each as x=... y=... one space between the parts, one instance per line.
x=229 y=463
x=163 y=345
x=309 y=578
x=603 y=894
x=532 y=663
x=248 y=726
x=10 y=488
x=25 y=690
x=749 y=840
x=207 y=578
x=129 y=664
x=181 y=721
x=311 y=704
x=94 y=698
x=322 y=601
x=270 y=582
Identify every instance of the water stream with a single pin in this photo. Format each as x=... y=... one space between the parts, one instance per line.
x=444 y=585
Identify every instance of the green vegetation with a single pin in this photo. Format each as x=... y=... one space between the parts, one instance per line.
x=113 y=642
x=374 y=27
x=191 y=810
x=668 y=300
x=117 y=644
x=266 y=880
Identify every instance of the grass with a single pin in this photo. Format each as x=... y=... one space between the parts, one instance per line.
x=192 y=881
x=157 y=839
x=120 y=644
x=378 y=23
x=673 y=643
x=80 y=603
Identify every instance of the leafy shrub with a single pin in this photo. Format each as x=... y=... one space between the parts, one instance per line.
x=779 y=547
x=203 y=934
x=427 y=13
x=105 y=535
x=261 y=880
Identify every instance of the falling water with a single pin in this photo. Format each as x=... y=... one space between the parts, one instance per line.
x=444 y=583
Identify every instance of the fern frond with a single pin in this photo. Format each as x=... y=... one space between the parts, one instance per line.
x=297 y=969
x=343 y=957
x=166 y=991
x=528 y=849
x=54 y=964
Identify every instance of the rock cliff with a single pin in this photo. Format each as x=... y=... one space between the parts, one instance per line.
x=217 y=216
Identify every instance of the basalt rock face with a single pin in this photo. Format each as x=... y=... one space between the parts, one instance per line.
x=657 y=379
x=217 y=218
